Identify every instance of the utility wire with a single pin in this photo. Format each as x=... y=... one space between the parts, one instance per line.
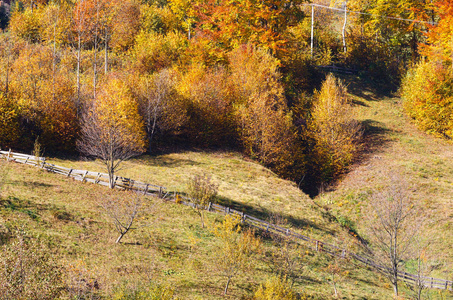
x=368 y=14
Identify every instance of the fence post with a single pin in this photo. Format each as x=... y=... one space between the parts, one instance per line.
x=9 y=154
x=209 y=206
x=146 y=189
x=97 y=178
x=160 y=192
x=84 y=175
x=70 y=171
x=317 y=246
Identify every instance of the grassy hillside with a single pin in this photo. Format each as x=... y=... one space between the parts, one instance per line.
x=174 y=251
x=394 y=145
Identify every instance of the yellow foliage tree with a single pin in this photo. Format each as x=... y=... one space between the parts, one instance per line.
x=208 y=96
x=9 y=123
x=235 y=250
x=112 y=129
x=333 y=129
x=262 y=116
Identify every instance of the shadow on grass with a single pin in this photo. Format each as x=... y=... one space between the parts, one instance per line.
x=27 y=207
x=163 y=161
x=267 y=215
x=367 y=88
x=33 y=184
x=375 y=136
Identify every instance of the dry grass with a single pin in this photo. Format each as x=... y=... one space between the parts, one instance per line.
x=173 y=249
x=396 y=146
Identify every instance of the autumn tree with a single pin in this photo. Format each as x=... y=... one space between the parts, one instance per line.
x=262 y=116
x=112 y=129
x=210 y=105
x=261 y=23
x=332 y=127
x=159 y=104
x=26 y=24
x=439 y=47
x=233 y=255
x=393 y=223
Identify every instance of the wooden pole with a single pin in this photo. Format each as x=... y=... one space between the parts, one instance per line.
x=344 y=25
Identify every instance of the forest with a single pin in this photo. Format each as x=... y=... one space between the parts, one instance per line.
x=261 y=78
x=243 y=75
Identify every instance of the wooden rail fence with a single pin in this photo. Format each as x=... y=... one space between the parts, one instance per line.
x=161 y=192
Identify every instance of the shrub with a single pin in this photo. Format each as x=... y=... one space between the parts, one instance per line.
x=148 y=291
x=276 y=288
x=427 y=92
x=201 y=190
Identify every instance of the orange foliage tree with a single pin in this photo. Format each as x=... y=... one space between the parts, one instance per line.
x=224 y=25
x=262 y=116
x=427 y=89
x=45 y=93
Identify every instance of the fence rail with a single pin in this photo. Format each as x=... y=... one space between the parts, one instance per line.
x=162 y=192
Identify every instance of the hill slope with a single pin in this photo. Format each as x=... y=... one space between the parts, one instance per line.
x=175 y=251
x=395 y=145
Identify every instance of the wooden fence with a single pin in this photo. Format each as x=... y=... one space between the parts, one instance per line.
x=161 y=192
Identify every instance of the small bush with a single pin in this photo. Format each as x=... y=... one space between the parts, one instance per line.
x=202 y=190
x=276 y=288
x=148 y=291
